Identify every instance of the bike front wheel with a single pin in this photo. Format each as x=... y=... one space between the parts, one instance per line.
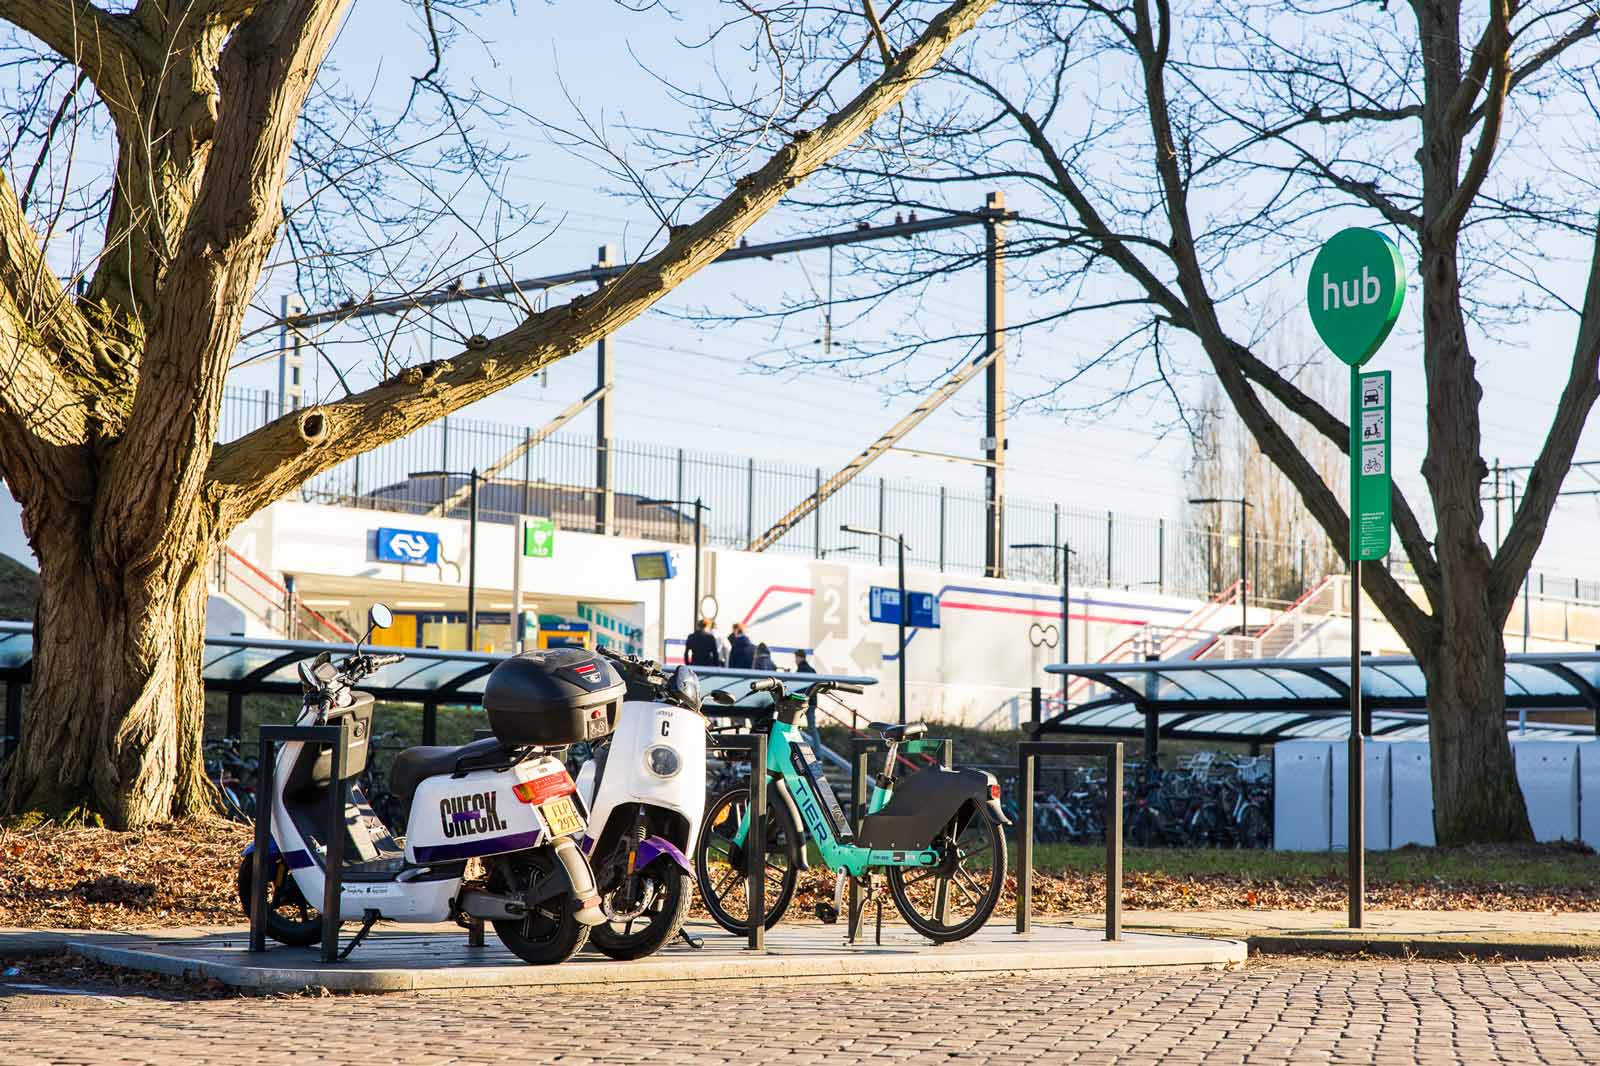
x=952 y=900
x=722 y=870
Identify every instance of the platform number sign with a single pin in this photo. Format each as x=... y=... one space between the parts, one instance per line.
x=1369 y=466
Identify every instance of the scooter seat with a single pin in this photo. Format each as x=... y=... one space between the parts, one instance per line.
x=415 y=765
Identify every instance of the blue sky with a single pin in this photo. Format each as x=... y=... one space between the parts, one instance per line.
x=689 y=387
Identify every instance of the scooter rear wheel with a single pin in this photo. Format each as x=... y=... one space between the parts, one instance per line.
x=654 y=928
x=951 y=901
x=290 y=919
x=550 y=932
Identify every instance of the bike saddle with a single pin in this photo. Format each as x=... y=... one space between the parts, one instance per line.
x=897 y=733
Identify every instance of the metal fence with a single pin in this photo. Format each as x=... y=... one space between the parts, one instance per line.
x=944 y=529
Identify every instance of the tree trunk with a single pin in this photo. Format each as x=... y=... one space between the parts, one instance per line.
x=1476 y=798
x=115 y=714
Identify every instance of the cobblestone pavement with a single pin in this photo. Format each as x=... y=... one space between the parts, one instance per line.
x=1306 y=1010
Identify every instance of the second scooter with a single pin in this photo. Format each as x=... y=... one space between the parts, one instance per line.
x=646 y=792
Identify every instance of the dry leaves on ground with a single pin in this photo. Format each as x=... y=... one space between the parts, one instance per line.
x=181 y=873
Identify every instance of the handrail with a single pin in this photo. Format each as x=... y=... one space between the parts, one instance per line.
x=1189 y=625
x=332 y=627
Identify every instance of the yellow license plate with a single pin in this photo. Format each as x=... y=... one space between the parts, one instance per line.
x=561 y=816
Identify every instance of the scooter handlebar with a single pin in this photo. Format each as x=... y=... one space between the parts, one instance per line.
x=767 y=684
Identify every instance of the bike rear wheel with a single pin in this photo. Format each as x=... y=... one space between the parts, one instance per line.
x=720 y=864
x=953 y=900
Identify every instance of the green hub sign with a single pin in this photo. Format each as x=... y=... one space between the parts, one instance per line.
x=1354 y=294
x=1356 y=287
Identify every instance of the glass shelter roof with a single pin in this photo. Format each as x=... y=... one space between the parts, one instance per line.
x=246 y=664
x=1273 y=699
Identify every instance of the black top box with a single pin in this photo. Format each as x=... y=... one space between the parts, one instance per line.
x=553 y=697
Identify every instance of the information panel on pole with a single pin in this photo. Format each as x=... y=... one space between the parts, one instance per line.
x=1370 y=513
x=1357 y=285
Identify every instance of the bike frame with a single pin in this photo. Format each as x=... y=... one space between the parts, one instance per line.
x=836 y=854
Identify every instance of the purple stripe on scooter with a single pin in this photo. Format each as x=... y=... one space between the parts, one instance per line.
x=469 y=849
x=466 y=816
x=652 y=848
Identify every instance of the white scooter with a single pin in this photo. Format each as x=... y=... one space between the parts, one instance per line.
x=646 y=793
x=506 y=800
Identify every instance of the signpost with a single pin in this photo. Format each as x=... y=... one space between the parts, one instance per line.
x=659 y=567
x=1357 y=285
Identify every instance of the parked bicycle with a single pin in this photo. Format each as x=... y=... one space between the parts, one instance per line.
x=235 y=776
x=934 y=836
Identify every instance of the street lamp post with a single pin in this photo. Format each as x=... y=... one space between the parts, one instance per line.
x=472 y=551
x=699 y=506
x=905 y=608
x=1244 y=588
x=1066 y=602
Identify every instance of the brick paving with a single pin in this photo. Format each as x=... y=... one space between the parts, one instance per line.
x=1302 y=1010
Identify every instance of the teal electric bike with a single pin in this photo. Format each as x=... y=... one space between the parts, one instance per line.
x=934 y=835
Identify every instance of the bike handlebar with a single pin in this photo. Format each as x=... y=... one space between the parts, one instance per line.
x=386 y=660
x=767 y=684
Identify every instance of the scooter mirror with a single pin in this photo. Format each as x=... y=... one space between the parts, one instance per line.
x=722 y=696
x=379 y=616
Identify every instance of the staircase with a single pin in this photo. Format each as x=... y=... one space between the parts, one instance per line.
x=262 y=597
x=1316 y=624
x=1182 y=641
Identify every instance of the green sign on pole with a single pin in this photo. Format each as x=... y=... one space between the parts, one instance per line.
x=539 y=538
x=1369 y=465
x=1354 y=293
x=1357 y=284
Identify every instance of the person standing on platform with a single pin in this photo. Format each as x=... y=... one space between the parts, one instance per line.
x=741 y=650
x=701 y=647
x=802 y=665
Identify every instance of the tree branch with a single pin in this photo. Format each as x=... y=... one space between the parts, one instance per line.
x=1496 y=45
x=103 y=45
x=1149 y=39
x=257 y=469
x=1578 y=398
x=264 y=75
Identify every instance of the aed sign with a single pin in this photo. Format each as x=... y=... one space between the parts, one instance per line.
x=539 y=538
x=1354 y=293
x=411 y=546
x=883 y=605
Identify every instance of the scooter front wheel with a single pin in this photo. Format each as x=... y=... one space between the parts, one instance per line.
x=721 y=868
x=550 y=931
x=290 y=919
x=666 y=894
x=952 y=900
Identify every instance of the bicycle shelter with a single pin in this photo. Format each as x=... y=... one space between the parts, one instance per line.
x=1259 y=701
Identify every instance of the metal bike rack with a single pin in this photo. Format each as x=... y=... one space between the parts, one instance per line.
x=1028 y=753
x=755 y=842
x=338 y=737
x=860 y=748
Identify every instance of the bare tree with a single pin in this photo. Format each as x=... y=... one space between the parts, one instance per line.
x=111 y=376
x=1177 y=165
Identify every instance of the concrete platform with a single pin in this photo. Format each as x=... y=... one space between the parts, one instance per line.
x=400 y=960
